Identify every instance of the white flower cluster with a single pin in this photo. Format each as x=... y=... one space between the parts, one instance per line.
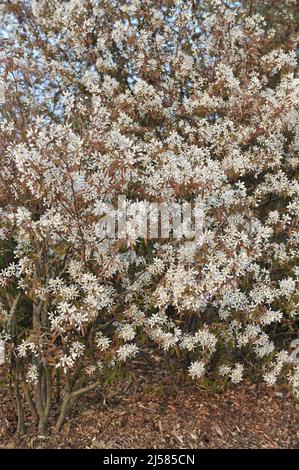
x=67 y=361
x=27 y=347
x=196 y=369
x=32 y=374
x=282 y=358
x=102 y=342
x=126 y=352
x=235 y=373
x=161 y=105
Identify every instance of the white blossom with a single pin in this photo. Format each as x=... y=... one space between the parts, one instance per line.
x=196 y=369
x=126 y=352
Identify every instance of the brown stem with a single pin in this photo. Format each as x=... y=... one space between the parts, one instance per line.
x=43 y=423
x=20 y=410
x=63 y=411
x=68 y=401
x=29 y=399
x=43 y=388
x=65 y=404
x=57 y=388
x=37 y=399
x=86 y=389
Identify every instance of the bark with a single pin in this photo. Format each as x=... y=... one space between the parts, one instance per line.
x=29 y=399
x=63 y=411
x=20 y=410
x=65 y=404
x=69 y=399
x=43 y=422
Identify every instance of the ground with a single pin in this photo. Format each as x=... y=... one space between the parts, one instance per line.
x=149 y=412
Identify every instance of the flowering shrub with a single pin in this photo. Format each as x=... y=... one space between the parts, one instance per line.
x=161 y=102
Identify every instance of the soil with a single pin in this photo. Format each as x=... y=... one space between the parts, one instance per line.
x=150 y=412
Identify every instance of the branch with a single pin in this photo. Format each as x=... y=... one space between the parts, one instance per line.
x=12 y=313
x=86 y=389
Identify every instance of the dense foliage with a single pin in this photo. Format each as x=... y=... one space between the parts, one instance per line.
x=161 y=102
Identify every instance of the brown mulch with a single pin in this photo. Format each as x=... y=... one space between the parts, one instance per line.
x=152 y=414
